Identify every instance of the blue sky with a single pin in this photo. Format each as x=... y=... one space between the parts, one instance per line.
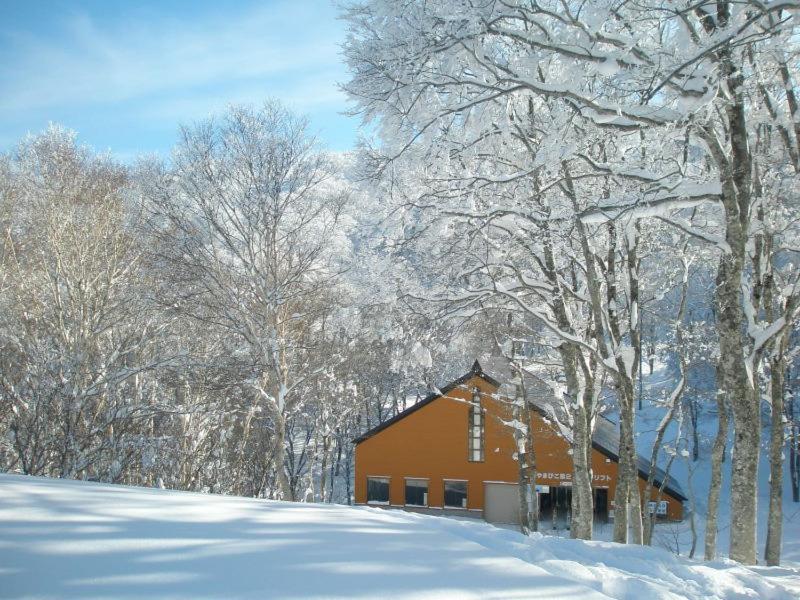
x=125 y=74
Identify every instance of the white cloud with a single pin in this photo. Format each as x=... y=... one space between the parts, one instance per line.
x=177 y=70
x=303 y=94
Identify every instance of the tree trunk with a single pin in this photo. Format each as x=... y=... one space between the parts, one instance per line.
x=737 y=384
x=581 y=402
x=279 y=455
x=772 y=551
x=744 y=472
x=582 y=508
x=582 y=502
x=694 y=416
x=323 y=477
x=794 y=446
x=620 y=507
x=348 y=474
x=794 y=462
x=528 y=500
x=628 y=507
x=690 y=467
x=715 y=485
x=650 y=517
x=335 y=466
x=735 y=381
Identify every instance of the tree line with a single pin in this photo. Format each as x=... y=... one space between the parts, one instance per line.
x=585 y=188
x=199 y=323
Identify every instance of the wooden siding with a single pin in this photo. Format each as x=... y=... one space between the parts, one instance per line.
x=432 y=443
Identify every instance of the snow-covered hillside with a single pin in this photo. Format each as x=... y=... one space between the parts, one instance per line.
x=65 y=539
x=696 y=477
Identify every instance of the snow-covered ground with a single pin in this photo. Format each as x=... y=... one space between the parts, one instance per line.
x=65 y=539
x=697 y=476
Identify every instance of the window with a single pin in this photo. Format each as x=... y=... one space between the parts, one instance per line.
x=377 y=490
x=416 y=492
x=455 y=494
x=475 y=430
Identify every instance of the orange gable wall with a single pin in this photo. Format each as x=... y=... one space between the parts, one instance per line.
x=431 y=443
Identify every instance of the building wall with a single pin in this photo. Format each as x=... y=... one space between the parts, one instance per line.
x=431 y=443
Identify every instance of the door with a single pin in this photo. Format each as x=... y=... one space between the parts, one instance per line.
x=555 y=507
x=562 y=506
x=501 y=502
x=601 y=505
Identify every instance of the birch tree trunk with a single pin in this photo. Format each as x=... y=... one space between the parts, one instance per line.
x=673 y=405
x=650 y=517
x=323 y=477
x=279 y=456
x=690 y=467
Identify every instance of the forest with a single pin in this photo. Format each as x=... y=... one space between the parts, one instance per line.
x=593 y=190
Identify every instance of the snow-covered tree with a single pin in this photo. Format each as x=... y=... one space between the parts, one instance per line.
x=651 y=84
x=77 y=339
x=247 y=221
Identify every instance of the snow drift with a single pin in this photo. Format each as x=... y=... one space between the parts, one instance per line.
x=67 y=539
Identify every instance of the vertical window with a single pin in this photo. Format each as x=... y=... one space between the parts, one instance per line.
x=455 y=494
x=378 y=490
x=416 y=492
x=475 y=430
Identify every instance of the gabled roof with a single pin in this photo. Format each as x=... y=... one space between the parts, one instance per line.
x=475 y=371
x=605 y=438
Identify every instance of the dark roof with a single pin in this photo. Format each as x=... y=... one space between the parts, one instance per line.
x=605 y=438
x=475 y=371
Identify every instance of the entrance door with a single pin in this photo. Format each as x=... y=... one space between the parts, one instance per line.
x=601 y=504
x=555 y=508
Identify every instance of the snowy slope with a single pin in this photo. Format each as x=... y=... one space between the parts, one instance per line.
x=698 y=476
x=64 y=539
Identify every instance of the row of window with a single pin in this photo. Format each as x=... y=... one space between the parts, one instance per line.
x=455 y=492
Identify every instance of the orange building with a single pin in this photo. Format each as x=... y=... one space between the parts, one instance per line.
x=454 y=452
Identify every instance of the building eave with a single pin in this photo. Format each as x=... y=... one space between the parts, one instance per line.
x=476 y=371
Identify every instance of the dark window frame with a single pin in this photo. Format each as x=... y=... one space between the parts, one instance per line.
x=465 y=503
x=388 y=481
x=426 y=493
x=476 y=429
